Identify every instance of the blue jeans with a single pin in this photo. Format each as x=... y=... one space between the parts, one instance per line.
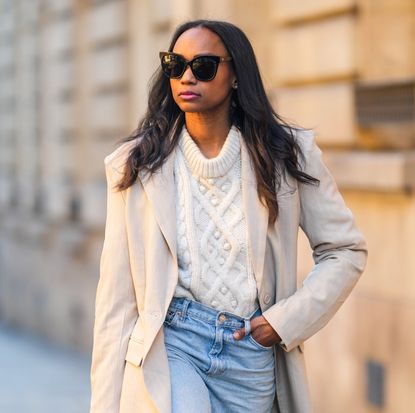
x=211 y=371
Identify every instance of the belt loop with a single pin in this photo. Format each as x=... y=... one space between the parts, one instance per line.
x=186 y=303
x=255 y=311
x=247 y=326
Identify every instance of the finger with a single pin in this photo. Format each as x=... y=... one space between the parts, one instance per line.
x=238 y=334
x=258 y=321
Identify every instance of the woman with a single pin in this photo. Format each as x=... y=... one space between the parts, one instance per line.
x=197 y=306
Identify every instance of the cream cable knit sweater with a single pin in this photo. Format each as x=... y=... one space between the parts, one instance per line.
x=214 y=264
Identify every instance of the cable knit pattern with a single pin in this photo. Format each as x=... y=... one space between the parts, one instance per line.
x=214 y=264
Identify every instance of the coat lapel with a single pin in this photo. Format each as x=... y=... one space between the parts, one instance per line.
x=160 y=190
x=256 y=215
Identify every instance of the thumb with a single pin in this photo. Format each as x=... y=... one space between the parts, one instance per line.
x=238 y=334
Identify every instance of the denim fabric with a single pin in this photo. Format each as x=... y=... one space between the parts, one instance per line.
x=211 y=371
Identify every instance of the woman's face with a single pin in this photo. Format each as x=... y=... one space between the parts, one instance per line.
x=210 y=96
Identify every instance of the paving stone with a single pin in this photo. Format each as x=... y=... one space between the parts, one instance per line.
x=40 y=377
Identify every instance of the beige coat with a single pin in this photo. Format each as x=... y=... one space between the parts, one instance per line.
x=139 y=272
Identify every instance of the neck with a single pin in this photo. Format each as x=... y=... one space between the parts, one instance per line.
x=209 y=132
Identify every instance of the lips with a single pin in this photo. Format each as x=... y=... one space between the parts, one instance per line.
x=188 y=93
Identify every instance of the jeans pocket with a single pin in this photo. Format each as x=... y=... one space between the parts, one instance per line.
x=258 y=345
x=171 y=317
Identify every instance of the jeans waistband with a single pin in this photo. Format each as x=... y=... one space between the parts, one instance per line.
x=210 y=315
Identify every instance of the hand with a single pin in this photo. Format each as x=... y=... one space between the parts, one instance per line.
x=261 y=332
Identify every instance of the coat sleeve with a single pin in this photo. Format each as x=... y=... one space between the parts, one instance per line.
x=339 y=253
x=115 y=306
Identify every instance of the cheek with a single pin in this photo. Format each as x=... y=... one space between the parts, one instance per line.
x=221 y=84
x=217 y=90
x=173 y=86
x=174 y=89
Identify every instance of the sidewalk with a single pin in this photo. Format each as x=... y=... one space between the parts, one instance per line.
x=39 y=377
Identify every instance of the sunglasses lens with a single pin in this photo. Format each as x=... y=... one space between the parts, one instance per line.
x=204 y=68
x=173 y=66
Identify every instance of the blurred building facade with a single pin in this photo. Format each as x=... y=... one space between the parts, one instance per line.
x=73 y=81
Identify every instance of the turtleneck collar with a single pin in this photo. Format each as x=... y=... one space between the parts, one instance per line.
x=210 y=167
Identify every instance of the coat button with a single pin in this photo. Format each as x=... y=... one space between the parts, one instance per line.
x=267 y=298
x=155 y=314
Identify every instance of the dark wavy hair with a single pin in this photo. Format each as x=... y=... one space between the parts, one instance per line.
x=269 y=140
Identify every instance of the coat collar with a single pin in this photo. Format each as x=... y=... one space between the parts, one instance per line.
x=160 y=190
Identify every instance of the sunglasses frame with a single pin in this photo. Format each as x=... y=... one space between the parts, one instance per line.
x=216 y=59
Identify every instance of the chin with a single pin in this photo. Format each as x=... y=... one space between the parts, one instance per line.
x=190 y=108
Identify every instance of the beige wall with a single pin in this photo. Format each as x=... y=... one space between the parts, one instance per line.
x=386 y=35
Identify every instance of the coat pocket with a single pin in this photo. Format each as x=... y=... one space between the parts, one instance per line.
x=135 y=351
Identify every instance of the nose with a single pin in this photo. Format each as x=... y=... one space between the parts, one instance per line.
x=188 y=76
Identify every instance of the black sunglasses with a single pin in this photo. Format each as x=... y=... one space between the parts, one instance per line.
x=204 y=68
